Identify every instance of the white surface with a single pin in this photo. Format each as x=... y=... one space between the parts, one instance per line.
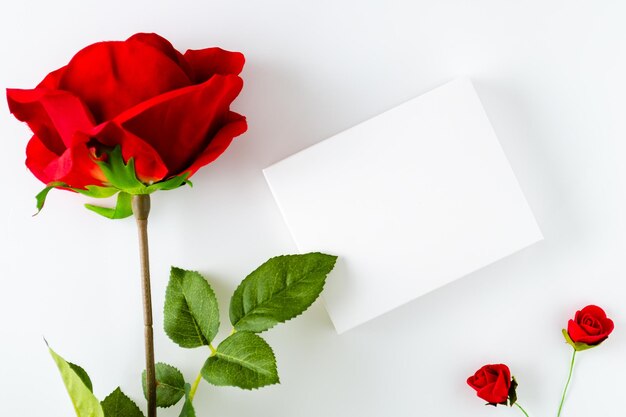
x=551 y=78
x=410 y=200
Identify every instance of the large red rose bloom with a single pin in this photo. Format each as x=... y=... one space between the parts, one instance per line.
x=168 y=111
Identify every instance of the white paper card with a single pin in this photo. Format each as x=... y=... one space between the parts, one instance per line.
x=410 y=200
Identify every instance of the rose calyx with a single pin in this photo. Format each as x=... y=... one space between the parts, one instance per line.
x=122 y=180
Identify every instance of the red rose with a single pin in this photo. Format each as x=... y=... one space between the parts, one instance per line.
x=167 y=111
x=590 y=327
x=493 y=383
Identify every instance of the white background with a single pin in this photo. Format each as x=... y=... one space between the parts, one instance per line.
x=551 y=77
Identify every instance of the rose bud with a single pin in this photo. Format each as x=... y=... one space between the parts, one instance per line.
x=494 y=384
x=588 y=329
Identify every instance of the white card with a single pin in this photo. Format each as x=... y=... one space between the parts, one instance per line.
x=409 y=200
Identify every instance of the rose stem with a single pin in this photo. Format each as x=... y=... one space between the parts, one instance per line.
x=194 y=387
x=141 y=209
x=569 y=378
x=521 y=408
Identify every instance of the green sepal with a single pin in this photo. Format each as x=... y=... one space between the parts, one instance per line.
x=41 y=196
x=121 y=210
x=279 y=290
x=121 y=175
x=118 y=404
x=513 y=392
x=82 y=374
x=170 y=385
x=169 y=184
x=191 y=313
x=85 y=403
x=95 y=191
x=187 y=410
x=242 y=360
x=578 y=347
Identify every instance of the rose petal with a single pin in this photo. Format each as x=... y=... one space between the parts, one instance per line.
x=53 y=116
x=591 y=327
x=507 y=373
x=235 y=127
x=53 y=79
x=592 y=340
x=210 y=61
x=500 y=390
x=592 y=310
x=149 y=166
x=575 y=331
x=608 y=326
x=75 y=166
x=579 y=335
x=111 y=77
x=38 y=157
x=491 y=374
x=493 y=393
x=478 y=380
x=164 y=46
x=180 y=125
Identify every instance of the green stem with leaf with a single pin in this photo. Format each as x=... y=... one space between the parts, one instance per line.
x=569 y=378
x=243 y=359
x=194 y=387
x=196 y=383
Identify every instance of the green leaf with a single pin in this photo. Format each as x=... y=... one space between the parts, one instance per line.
x=279 y=290
x=122 y=208
x=578 y=347
x=187 y=410
x=117 y=404
x=95 y=191
x=41 y=196
x=82 y=374
x=191 y=310
x=170 y=385
x=242 y=360
x=85 y=403
x=121 y=175
x=170 y=184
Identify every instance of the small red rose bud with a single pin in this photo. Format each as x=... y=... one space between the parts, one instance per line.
x=589 y=328
x=494 y=384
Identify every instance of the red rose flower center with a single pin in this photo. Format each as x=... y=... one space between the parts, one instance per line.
x=591 y=325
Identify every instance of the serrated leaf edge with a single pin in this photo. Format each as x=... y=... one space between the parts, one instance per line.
x=204 y=341
x=283 y=290
x=218 y=354
x=126 y=396
x=167 y=385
